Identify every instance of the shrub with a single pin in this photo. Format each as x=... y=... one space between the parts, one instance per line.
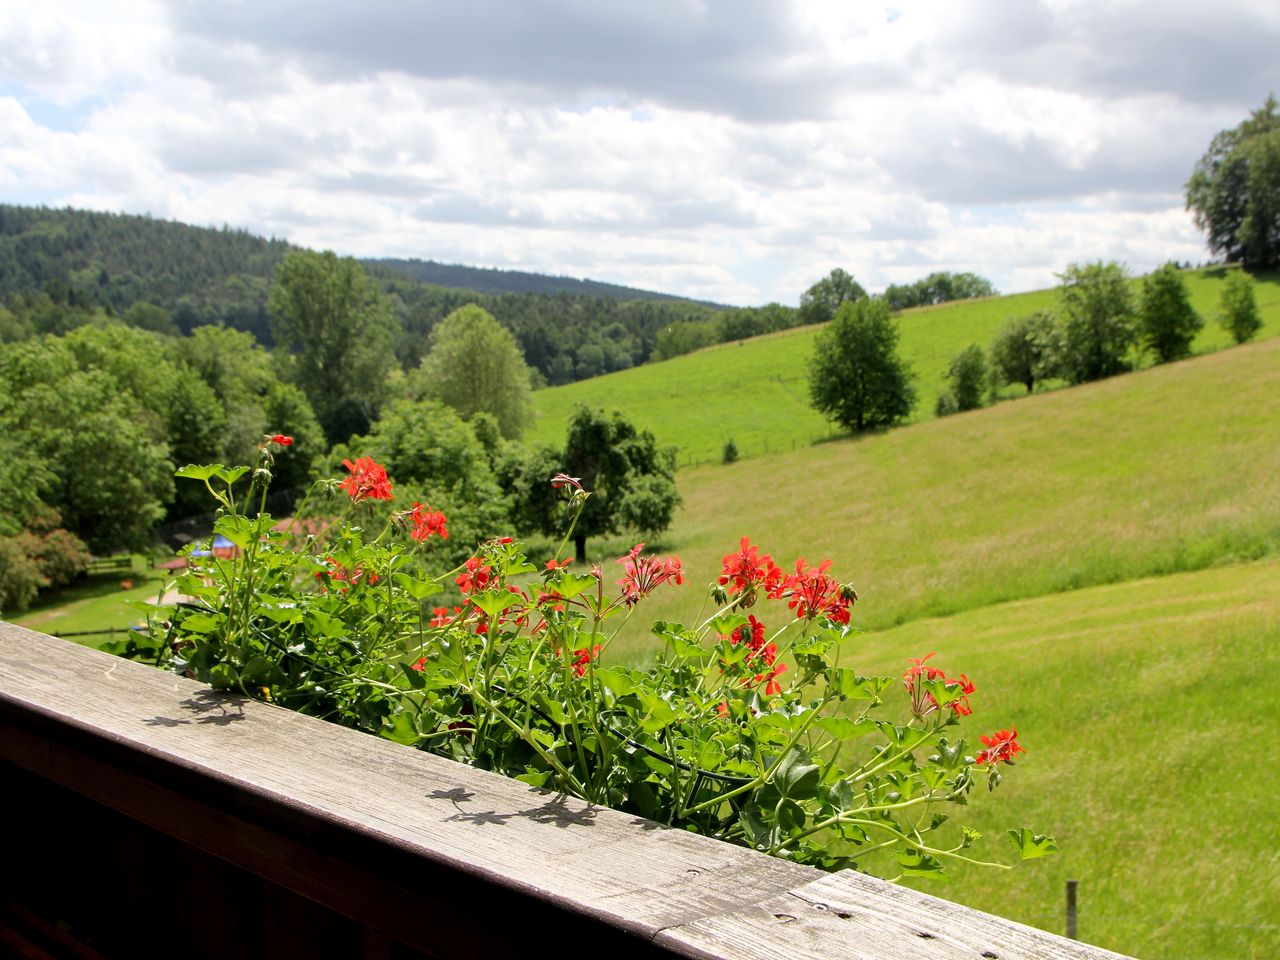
x=1238 y=310
x=730 y=452
x=752 y=734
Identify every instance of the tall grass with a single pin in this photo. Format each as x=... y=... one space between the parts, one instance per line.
x=1148 y=713
x=755 y=392
x=1171 y=469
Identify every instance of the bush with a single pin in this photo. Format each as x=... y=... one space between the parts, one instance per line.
x=967 y=377
x=1169 y=323
x=730 y=453
x=1238 y=310
x=753 y=736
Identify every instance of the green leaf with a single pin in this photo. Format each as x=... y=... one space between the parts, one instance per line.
x=1032 y=845
x=726 y=623
x=535 y=778
x=615 y=681
x=845 y=728
x=194 y=471
x=493 y=602
x=796 y=778
x=569 y=585
x=417 y=588
x=223 y=676
x=237 y=529
x=917 y=864
x=416 y=680
x=201 y=622
x=851 y=686
x=230 y=475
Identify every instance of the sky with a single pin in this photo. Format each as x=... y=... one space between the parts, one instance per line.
x=728 y=150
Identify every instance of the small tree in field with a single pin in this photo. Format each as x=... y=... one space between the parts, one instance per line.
x=1238 y=310
x=631 y=479
x=967 y=378
x=1099 y=325
x=1027 y=350
x=855 y=375
x=1169 y=323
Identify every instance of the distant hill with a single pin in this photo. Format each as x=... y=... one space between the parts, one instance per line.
x=495 y=282
x=57 y=262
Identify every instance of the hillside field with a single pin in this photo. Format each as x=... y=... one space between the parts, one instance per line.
x=1146 y=709
x=755 y=392
x=1170 y=469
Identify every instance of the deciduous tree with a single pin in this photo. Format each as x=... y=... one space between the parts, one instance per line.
x=1169 y=323
x=1234 y=191
x=1238 y=309
x=1099 y=321
x=476 y=367
x=855 y=375
x=820 y=302
x=1027 y=350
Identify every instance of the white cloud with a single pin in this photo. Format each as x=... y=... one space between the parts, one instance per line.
x=732 y=151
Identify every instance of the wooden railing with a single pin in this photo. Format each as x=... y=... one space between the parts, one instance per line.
x=144 y=815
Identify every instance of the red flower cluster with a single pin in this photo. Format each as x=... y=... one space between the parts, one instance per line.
x=922 y=703
x=564 y=480
x=812 y=593
x=645 y=574
x=425 y=523
x=281 y=439
x=442 y=617
x=475 y=576
x=368 y=480
x=746 y=571
x=1002 y=747
x=583 y=657
x=752 y=633
x=342 y=575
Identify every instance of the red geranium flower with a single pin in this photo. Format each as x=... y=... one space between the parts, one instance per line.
x=813 y=593
x=474 y=577
x=922 y=702
x=746 y=570
x=645 y=574
x=1002 y=747
x=564 y=480
x=425 y=523
x=583 y=657
x=281 y=439
x=368 y=480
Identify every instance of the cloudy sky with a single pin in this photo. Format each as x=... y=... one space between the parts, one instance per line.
x=734 y=150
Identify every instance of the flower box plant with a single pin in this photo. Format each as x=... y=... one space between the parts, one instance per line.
x=745 y=727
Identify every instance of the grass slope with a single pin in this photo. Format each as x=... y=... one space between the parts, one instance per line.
x=1147 y=709
x=1170 y=469
x=756 y=392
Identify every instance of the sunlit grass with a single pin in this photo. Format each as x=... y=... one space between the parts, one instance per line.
x=1171 y=469
x=1148 y=714
x=755 y=392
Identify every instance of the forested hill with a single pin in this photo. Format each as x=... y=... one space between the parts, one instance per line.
x=496 y=282
x=59 y=267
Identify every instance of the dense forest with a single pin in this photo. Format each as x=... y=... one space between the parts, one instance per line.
x=59 y=267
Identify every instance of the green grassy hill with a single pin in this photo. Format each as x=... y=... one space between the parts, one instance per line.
x=1173 y=468
x=755 y=392
x=1146 y=709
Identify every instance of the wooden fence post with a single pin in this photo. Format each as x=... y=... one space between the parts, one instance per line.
x=1071 y=909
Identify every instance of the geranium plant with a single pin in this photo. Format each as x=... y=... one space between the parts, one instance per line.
x=745 y=727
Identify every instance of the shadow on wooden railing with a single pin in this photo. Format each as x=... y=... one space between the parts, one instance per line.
x=144 y=815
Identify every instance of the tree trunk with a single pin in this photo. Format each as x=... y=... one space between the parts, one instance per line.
x=580 y=548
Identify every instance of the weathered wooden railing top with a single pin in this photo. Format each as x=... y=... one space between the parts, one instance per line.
x=437 y=854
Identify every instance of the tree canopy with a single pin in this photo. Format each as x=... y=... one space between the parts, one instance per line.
x=1234 y=191
x=1099 y=321
x=940 y=287
x=820 y=302
x=1238 y=308
x=1169 y=322
x=1027 y=350
x=340 y=331
x=475 y=367
x=855 y=375
x=631 y=481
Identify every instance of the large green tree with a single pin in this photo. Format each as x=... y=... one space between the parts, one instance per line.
x=340 y=331
x=856 y=377
x=1169 y=322
x=820 y=302
x=1234 y=191
x=1099 y=321
x=475 y=366
x=630 y=478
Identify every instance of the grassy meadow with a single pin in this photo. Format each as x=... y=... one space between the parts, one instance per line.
x=1146 y=709
x=1170 y=469
x=756 y=391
